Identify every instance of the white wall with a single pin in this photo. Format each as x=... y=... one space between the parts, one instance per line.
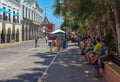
x=0 y=27
x=7 y=26
x=12 y=7
x=31 y=5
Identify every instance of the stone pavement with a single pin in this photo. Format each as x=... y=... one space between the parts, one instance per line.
x=70 y=66
x=24 y=62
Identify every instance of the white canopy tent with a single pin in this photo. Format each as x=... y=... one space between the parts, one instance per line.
x=58 y=31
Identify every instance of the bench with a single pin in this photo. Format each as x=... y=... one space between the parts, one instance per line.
x=111 y=72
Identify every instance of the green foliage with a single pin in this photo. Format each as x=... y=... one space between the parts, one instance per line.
x=81 y=14
x=111 y=42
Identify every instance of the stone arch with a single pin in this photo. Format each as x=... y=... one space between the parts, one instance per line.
x=9 y=32
x=3 y=34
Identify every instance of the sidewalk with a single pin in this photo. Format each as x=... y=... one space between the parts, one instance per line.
x=12 y=44
x=70 y=66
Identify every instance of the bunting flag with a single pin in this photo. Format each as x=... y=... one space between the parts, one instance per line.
x=2 y=9
x=7 y=12
x=16 y=15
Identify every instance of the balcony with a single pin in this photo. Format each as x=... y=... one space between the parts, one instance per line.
x=15 y=21
x=1 y=17
x=7 y=19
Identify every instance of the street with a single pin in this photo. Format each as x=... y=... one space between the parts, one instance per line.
x=24 y=62
x=70 y=66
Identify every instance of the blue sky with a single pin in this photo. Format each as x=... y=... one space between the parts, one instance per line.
x=48 y=4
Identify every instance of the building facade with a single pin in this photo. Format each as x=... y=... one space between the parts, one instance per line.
x=10 y=21
x=47 y=26
x=31 y=19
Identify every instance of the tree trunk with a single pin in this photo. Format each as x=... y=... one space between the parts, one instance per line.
x=117 y=21
x=111 y=23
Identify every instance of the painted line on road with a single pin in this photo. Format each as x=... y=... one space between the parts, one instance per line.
x=45 y=73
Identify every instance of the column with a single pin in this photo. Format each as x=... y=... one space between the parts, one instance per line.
x=15 y=37
x=20 y=18
x=37 y=17
x=0 y=38
x=25 y=32
x=25 y=12
x=30 y=14
x=5 y=38
x=11 y=16
x=22 y=31
x=40 y=19
x=34 y=16
x=10 y=38
x=28 y=32
x=32 y=32
x=16 y=17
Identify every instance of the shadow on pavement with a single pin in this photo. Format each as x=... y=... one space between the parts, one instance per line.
x=46 y=56
x=36 y=72
x=70 y=66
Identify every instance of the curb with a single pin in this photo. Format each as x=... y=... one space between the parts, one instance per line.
x=45 y=73
x=13 y=44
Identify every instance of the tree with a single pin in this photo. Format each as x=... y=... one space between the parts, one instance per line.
x=98 y=14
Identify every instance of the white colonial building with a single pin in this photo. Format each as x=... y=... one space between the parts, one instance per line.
x=10 y=21
x=31 y=19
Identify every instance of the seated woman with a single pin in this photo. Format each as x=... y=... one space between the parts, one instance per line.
x=89 y=49
x=96 y=50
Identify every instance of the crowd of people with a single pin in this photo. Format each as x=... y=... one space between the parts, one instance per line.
x=55 y=42
x=96 y=52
